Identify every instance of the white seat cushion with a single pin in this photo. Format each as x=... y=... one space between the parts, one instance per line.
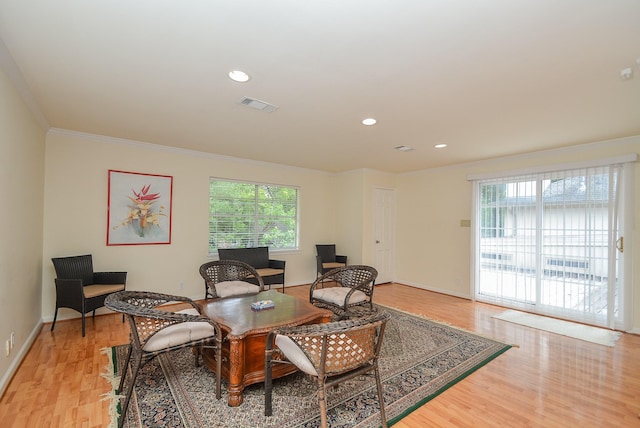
x=179 y=334
x=336 y=295
x=295 y=354
x=234 y=288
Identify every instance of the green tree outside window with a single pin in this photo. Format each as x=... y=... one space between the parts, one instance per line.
x=252 y=214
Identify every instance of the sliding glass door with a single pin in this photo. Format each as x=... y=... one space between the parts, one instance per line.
x=549 y=243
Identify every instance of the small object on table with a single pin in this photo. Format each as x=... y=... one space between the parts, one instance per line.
x=262 y=304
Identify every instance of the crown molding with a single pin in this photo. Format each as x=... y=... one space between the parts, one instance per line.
x=531 y=155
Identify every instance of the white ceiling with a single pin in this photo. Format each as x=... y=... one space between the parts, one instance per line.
x=489 y=78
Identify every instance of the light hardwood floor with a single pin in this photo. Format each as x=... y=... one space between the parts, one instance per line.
x=547 y=380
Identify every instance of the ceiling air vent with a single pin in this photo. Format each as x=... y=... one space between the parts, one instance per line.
x=258 y=105
x=403 y=148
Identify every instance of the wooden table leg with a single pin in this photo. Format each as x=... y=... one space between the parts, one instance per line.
x=236 y=372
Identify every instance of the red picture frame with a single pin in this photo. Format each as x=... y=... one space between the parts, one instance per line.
x=139 y=208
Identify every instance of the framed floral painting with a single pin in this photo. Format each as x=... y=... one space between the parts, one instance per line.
x=139 y=208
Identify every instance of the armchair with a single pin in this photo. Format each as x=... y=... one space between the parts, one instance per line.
x=223 y=278
x=155 y=331
x=326 y=259
x=351 y=287
x=330 y=353
x=78 y=287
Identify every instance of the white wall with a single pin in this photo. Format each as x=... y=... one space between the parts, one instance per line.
x=76 y=208
x=347 y=208
x=434 y=250
x=22 y=153
x=333 y=209
x=352 y=205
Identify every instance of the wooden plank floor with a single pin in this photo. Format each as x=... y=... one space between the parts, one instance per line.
x=546 y=381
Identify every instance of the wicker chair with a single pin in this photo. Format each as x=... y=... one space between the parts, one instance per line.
x=330 y=353
x=326 y=259
x=223 y=278
x=78 y=287
x=155 y=331
x=349 y=290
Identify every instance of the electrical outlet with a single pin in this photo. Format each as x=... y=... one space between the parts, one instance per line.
x=13 y=339
x=181 y=285
x=8 y=347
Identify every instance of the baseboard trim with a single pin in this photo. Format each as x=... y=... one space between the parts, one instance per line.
x=15 y=364
x=434 y=289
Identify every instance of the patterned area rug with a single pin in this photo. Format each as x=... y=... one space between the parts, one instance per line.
x=420 y=359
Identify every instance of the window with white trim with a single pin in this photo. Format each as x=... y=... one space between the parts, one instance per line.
x=243 y=214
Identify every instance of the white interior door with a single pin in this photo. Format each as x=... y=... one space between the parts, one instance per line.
x=384 y=202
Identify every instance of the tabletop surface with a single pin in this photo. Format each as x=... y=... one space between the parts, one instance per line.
x=235 y=316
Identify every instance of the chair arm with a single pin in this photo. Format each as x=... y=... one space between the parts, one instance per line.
x=332 y=327
x=316 y=284
x=121 y=301
x=366 y=288
x=341 y=259
x=145 y=306
x=68 y=290
x=173 y=317
x=271 y=338
x=109 y=277
x=276 y=264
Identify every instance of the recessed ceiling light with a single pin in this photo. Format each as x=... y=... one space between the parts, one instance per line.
x=440 y=146
x=369 y=121
x=239 y=76
x=626 y=73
